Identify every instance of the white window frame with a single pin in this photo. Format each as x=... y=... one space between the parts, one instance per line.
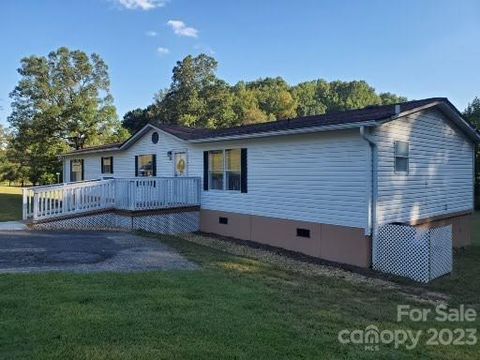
x=225 y=170
x=400 y=156
x=102 y=164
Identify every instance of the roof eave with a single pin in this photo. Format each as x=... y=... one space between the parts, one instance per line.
x=450 y=111
x=305 y=130
x=93 y=151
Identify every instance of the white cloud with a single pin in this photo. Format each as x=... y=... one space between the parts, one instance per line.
x=162 y=51
x=141 y=4
x=180 y=29
x=151 y=33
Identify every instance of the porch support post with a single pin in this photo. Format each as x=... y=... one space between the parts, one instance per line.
x=36 y=205
x=24 y=204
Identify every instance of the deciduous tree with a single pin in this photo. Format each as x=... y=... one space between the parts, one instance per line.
x=61 y=101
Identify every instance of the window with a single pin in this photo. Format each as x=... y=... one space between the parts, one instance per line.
x=402 y=153
x=76 y=170
x=216 y=168
x=107 y=165
x=146 y=165
x=224 y=169
x=232 y=169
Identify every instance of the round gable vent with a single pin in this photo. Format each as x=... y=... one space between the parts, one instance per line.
x=155 y=137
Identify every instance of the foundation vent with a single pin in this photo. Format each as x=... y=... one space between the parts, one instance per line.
x=303 y=232
x=223 y=220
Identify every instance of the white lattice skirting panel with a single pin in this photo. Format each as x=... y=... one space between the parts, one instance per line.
x=172 y=223
x=418 y=254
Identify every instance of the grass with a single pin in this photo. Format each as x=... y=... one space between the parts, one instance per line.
x=464 y=283
x=10 y=203
x=233 y=307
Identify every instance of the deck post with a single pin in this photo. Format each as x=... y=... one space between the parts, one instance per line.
x=36 y=205
x=199 y=192
x=133 y=195
x=24 y=204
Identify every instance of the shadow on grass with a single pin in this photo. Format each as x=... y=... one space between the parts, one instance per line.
x=10 y=207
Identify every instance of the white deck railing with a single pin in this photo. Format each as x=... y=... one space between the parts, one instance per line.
x=45 y=202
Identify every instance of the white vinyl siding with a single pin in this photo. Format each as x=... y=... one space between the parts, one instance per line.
x=124 y=161
x=440 y=176
x=325 y=177
x=319 y=178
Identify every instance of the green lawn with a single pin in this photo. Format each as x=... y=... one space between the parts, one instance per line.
x=232 y=308
x=10 y=203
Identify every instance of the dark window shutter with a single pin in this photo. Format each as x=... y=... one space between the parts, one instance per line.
x=154 y=164
x=101 y=164
x=205 y=170
x=136 y=165
x=71 y=170
x=83 y=169
x=244 y=172
x=111 y=164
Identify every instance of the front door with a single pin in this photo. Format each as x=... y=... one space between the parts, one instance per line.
x=180 y=164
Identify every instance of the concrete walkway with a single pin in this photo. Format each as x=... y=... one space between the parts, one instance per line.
x=12 y=226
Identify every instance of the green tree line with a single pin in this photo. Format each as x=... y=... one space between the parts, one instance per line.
x=196 y=97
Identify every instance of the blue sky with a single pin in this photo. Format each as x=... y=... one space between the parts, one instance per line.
x=416 y=48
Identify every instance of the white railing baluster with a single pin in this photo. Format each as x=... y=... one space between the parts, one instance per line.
x=43 y=202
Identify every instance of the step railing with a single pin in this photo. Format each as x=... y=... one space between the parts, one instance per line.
x=47 y=202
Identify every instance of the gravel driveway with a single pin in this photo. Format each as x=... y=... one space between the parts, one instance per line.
x=29 y=251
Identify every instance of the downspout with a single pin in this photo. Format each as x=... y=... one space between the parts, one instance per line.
x=373 y=182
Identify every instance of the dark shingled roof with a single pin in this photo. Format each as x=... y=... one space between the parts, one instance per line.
x=370 y=113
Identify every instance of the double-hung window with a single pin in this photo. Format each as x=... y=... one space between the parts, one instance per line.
x=402 y=157
x=232 y=169
x=76 y=170
x=216 y=169
x=224 y=172
x=107 y=165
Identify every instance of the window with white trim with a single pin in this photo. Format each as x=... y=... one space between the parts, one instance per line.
x=224 y=169
x=107 y=165
x=402 y=157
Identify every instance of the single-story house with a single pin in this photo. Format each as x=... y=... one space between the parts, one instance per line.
x=318 y=185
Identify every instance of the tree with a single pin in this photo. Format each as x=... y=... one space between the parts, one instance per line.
x=61 y=101
x=389 y=98
x=472 y=114
x=274 y=98
x=308 y=99
x=135 y=119
x=65 y=95
x=183 y=103
x=246 y=106
x=198 y=98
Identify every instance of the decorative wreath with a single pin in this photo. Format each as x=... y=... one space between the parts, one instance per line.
x=181 y=166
